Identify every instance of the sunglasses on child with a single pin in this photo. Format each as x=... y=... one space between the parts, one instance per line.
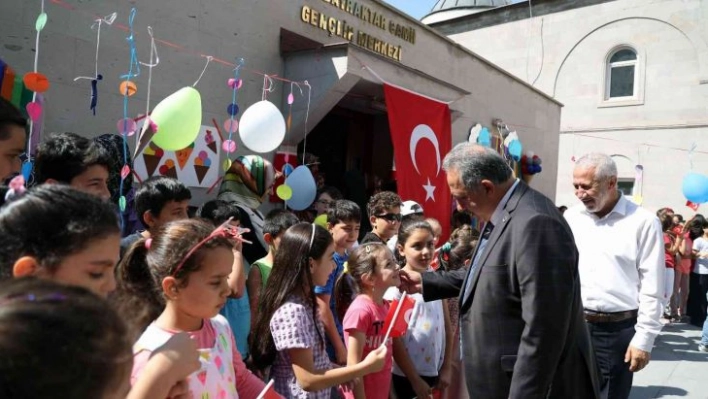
x=391 y=217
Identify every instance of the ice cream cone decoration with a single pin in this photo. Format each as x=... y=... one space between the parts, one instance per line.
x=183 y=155
x=211 y=143
x=152 y=157
x=168 y=169
x=202 y=163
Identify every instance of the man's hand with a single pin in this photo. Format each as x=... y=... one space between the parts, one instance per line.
x=411 y=282
x=637 y=358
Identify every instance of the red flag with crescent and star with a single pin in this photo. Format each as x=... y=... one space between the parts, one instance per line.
x=421 y=134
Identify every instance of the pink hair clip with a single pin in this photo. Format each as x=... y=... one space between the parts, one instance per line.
x=224 y=230
x=148 y=243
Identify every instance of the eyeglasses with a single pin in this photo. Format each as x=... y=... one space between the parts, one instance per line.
x=391 y=217
x=326 y=203
x=224 y=230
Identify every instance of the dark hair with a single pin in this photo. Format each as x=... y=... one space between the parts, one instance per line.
x=381 y=201
x=50 y=222
x=407 y=228
x=362 y=261
x=667 y=220
x=156 y=192
x=59 y=341
x=333 y=193
x=460 y=218
x=679 y=216
x=219 y=211
x=65 y=156
x=343 y=211
x=113 y=148
x=459 y=248
x=9 y=115
x=277 y=221
x=696 y=225
x=139 y=297
x=289 y=277
x=475 y=163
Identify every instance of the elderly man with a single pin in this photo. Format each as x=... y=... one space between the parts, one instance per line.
x=621 y=272
x=522 y=328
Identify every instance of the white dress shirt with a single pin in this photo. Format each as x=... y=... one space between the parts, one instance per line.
x=621 y=264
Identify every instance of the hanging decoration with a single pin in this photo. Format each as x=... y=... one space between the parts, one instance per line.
x=37 y=83
x=231 y=124
x=128 y=88
x=109 y=19
x=530 y=165
x=149 y=127
x=262 y=127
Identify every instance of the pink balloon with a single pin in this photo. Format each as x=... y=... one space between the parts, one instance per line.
x=231 y=126
x=229 y=146
x=231 y=82
x=34 y=110
x=127 y=126
x=291 y=98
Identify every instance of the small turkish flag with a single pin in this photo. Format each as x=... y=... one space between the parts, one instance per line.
x=269 y=392
x=421 y=135
x=399 y=314
x=692 y=205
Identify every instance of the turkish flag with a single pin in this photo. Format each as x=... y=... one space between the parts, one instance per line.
x=398 y=317
x=269 y=392
x=693 y=205
x=421 y=135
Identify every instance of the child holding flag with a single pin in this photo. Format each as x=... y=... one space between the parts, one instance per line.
x=423 y=356
x=372 y=270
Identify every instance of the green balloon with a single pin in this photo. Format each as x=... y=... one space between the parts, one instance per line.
x=41 y=21
x=178 y=118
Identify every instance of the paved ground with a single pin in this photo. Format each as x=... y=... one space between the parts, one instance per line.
x=677 y=369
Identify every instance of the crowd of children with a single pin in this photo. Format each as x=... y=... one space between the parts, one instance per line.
x=214 y=306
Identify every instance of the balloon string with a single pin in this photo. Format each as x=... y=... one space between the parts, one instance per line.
x=133 y=62
x=267 y=81
x=34 y=94
x=208 y=60
x=154 y=61
x=307 y=114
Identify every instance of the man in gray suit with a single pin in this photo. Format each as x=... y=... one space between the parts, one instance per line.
x=523 y=334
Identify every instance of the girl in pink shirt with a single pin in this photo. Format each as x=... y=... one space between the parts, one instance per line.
x=185 y=283
x=372 y=270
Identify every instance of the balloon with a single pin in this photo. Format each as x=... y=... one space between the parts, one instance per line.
x=27 y=169
x=284 y=192
x=179 y=117
x=695 y=188
x=321 y=220
x=303 y=187
x=287 y=169
x=262 y=128
x=515 y=150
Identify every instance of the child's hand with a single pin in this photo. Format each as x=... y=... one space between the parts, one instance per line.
x=444 y=377
x=376 y=359
x=421 y=388
x=180 y=356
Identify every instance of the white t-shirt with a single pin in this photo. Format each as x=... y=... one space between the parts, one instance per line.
x=701 y=245
x=425 y=338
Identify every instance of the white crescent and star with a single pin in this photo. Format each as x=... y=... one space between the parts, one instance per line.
x=419 y=133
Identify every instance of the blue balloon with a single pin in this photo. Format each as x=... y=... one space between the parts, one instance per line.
x=484 y=137
x=304 y=188
x=695 y=188
x=515 y=150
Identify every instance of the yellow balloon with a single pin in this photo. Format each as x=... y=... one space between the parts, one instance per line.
x=284 y=192
x=321 y=220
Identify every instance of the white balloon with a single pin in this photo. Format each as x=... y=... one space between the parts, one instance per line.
x=304 y=188
x=262 y=127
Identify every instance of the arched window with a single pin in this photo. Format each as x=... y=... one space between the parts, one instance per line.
x=621 y=74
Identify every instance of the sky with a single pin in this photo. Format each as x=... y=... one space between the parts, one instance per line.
x=418 y=8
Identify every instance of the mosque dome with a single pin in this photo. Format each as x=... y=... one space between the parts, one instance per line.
x=444 y=10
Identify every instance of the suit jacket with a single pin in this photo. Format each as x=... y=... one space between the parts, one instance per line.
x=522 y=326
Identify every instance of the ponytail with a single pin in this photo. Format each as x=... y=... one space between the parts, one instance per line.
x=137 y=299
x=345 y=290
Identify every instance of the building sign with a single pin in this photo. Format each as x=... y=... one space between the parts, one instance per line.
x=340 y=27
